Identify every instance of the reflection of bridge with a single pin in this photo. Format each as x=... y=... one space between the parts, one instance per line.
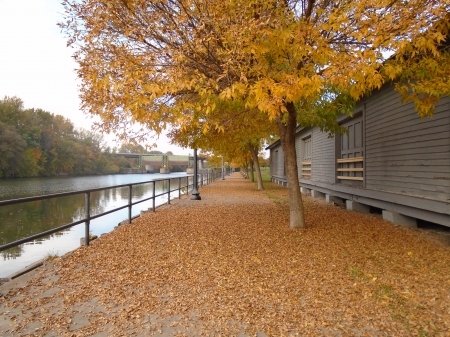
x=153 y=163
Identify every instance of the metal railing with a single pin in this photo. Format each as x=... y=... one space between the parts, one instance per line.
x=203 y=179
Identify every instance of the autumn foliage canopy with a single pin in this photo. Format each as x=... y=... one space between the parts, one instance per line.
x=174 y=62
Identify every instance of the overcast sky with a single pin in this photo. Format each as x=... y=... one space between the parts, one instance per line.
x=36 y=65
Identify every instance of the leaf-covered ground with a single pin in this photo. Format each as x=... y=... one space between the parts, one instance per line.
x=228 y=265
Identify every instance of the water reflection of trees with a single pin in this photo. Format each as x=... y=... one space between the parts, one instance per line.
x=30 y=218
x=102 y=201
x=12 y=253
x=23 y=220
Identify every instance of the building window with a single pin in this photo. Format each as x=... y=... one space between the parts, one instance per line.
x=350 y=162
x=306 y=158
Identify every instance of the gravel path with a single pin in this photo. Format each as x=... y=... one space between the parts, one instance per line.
x=228 y=265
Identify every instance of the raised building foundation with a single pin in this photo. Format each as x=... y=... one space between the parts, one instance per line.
x=334 y=200
x=400 y=219
x=356 y=207
x=317 y=194
x=305 y=190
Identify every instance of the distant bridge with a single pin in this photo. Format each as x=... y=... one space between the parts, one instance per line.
x=155 y=163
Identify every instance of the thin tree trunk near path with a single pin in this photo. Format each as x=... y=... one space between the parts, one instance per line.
x=252 y=176
x=254 y=152
x=246 y=168
x=286 y=132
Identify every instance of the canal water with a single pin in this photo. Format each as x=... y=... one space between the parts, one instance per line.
x=22 y=220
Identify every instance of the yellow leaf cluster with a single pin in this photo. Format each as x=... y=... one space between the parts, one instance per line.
x=153 y=62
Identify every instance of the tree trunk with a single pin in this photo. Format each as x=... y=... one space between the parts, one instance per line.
x=252 y=176
x=254 y=152
x=246 y=169
x=286 y=132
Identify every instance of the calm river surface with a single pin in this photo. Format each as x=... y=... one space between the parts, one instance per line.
x=22 y=220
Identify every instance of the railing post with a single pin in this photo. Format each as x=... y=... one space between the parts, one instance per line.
x=87 y=197
x=168 y=194
x=179 y=188
x=187 y=185
x=154 y=198
x=129 y=202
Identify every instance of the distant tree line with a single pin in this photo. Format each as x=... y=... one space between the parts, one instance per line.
x=34 y=142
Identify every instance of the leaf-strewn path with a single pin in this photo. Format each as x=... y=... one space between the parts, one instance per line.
x=228 y=265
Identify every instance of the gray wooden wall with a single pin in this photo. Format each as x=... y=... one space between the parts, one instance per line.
x=277 y=161
x=404 y=153
x=323 y=157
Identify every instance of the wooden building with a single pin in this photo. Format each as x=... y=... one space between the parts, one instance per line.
x=390 y=160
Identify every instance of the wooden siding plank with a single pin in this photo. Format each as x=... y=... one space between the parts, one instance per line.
x=401 y=116
x=409 y=154
x=350 y=160
x=412 y=189
x=350 y=178
x=409 y=169
x=419 y=186
x=421 y=137
x=323 y=158
x=420 y=154
x=396 y=162
x=382 y=109
x=408 y=133
x=390 y=110
x=298 y=150
x=430 y=181
x=281 y=162
x=394 y=127
x=442 y=138
x=384 y=99
x=387 y=102
x=350 y=170
x=278 y=161
x=436 y=132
